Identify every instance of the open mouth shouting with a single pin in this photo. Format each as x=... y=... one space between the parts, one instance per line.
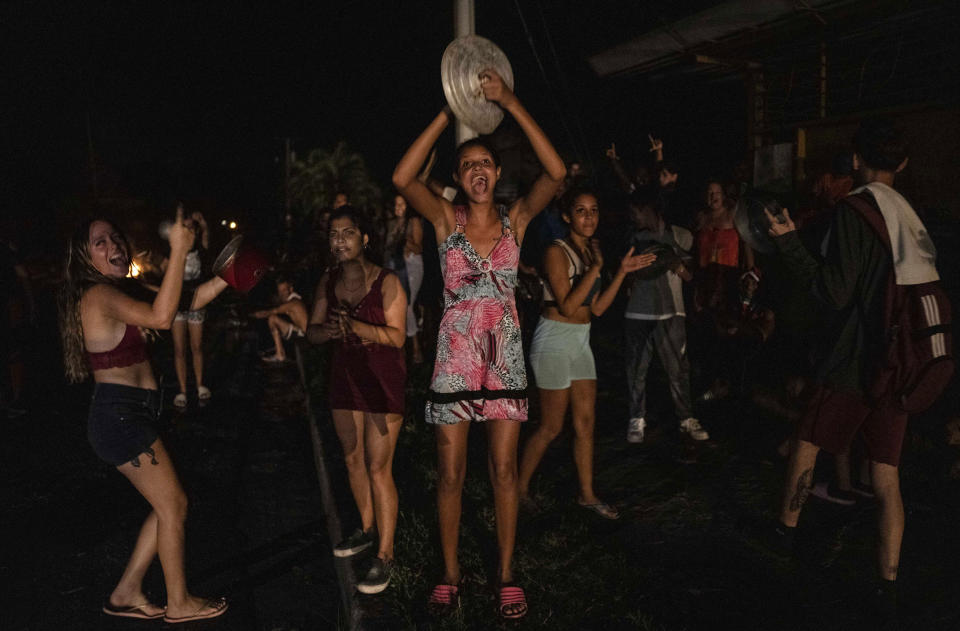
x=479 y=184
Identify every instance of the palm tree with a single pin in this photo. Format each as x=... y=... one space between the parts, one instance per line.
x=315 y=181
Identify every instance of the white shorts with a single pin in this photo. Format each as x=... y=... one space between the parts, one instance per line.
x=560 y=353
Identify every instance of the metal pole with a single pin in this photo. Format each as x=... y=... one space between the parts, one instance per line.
x=343 y=567
x=464 y=23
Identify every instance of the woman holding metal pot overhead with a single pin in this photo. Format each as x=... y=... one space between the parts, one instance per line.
x=479 y=373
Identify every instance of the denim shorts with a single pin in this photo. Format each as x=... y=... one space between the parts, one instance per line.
x=123 y=422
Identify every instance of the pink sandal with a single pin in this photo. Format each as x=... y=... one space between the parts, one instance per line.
x=513 y=602
x=443 y=599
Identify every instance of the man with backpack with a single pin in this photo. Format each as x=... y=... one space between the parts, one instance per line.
x=879 y=262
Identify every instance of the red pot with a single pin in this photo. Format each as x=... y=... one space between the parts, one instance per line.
x=241 y=265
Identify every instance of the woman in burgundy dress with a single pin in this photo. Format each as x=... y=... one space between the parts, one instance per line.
x=362 y=307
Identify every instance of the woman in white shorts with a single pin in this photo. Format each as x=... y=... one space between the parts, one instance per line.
x=560 y=354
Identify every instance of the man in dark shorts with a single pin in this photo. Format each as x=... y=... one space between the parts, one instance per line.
x=851 y=283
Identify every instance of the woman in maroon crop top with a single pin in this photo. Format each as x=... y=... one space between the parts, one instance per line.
x=362 y=307
x=100 y=326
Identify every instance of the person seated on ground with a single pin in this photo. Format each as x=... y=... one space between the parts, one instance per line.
x=560 y=355
x=655 y=320
x=361 y=307
x=286 y=321
x=102 y=327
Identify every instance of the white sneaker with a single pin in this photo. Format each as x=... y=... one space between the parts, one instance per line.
x=692 y=427
x=636 y=429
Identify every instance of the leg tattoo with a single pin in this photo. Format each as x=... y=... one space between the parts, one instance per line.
x=803 y=489
x=153 y=457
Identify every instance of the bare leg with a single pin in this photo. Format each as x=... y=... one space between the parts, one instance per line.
x=275 y=323
x=583 y=395
x=553 y=407
x=803 y=456
x=196 y=350
x=159 y=485
x=886 y=486
x=380 y=437
x=452 y=469
x=179 y=331
x=502 y=436
x=129 y=591
x=349 y=425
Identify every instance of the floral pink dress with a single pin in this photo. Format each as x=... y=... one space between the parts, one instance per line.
x=479 y=372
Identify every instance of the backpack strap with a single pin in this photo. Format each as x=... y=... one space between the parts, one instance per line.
x=863 y=204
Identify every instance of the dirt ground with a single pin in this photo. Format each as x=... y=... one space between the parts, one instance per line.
x=680 y=557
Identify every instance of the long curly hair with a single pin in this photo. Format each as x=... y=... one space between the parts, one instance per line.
x=79 y=275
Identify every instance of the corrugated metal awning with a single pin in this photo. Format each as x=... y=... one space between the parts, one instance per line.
x=670 y=42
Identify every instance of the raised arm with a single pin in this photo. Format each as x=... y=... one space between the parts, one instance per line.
x=434 y=208
x=546 y=185
x=618 y=171
x=206 y=292
x=113 y=303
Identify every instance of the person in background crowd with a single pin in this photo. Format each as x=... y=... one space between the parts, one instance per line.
x=641 y=174
x=361 y=307
x=655 y=320
x=101 y=326
x=19 y=309
x=856 y=271
x=560 y=355
x=479 y=373
x=721 y=254
x=286 y=321
x=190 y=321
x=403 y=253
x=340 y=199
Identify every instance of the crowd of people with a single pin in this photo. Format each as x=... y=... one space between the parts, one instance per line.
x=512 y=284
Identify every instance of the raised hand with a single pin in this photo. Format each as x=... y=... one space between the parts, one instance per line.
x=655 y=144
x=181 y=234
x=611 y=152
x=494 y=89
x=596 y=253
x=631 y=263
x=779 y=226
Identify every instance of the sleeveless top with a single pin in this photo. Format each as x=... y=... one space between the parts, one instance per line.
x=718 y=245
x=131 y=350
x=467 y=276
x=575 y=272
x=369 y=309
x=366 y=376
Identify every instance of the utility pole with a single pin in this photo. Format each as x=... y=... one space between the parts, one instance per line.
x=464 y=23
x=287 y=218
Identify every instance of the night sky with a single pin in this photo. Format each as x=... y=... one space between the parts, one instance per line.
x=193 y=100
